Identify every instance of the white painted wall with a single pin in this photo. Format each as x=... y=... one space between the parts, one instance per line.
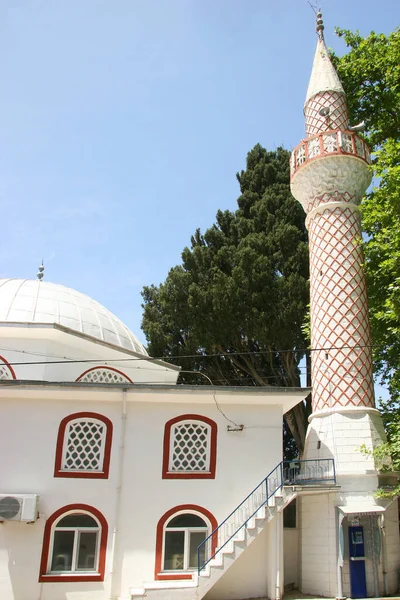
x=318 y=545
x=50 y=345
x=248 y=576
x=291 y=557
x=243 y=459
x=30 y=421
x=339 y=434
x=392 y=547
x=318 y=574
x=29 y=439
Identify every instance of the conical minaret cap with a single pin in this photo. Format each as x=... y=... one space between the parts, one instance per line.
x=323 y=75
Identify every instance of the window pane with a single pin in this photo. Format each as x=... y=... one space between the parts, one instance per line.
x=186 y=520
x=196 y=537
x=77 y=521
x=62 y=550
x=87 y=551
x=174 y=550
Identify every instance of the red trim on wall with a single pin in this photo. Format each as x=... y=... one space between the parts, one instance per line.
x=167 y=444
x=43 y=576
x=158 y=574
x=9 y=367
x=107 y=448
x=104 y=367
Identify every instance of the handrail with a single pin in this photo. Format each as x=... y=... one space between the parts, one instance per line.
x=287 y=472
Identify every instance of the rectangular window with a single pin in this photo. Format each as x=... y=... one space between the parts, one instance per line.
x=87 y=551
x=63 y=547
x=174 y=550
x=196 y=537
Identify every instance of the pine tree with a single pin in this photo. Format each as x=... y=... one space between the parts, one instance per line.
x=238 y=300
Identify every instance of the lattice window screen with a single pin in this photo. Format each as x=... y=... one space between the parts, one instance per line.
x=190 y=447
x=103 y=375
x=84 y=445
x=5 y=372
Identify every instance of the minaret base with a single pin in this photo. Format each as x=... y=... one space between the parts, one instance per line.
x=325 y=564
x=341 y=433
x=327 y=519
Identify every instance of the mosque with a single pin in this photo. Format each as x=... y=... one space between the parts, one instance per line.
x=117 y=483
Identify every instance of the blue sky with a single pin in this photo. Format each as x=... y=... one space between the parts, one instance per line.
x=123 y=123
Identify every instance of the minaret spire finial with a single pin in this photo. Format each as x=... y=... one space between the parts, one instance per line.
x=320 y=25
x=40 y=272
x=324 y=77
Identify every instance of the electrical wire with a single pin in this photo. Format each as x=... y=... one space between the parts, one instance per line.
x=214 y=398
x=144 y=358
x=65 y=360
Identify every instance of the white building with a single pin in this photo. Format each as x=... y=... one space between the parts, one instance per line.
x=118 y=484
x=103 y=453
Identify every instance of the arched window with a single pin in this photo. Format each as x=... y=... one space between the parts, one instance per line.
x=84 y=446
x=6 y=370
x=190 y=448
x=104 y=375
x=74 y=545
x=179 y=534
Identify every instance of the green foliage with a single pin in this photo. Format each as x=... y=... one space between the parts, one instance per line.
x=381 y=220
x=370 y=74
x=391 y=421
x=241 y=290
x=387 y=455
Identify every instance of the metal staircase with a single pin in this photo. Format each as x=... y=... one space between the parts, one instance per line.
x=241 y=527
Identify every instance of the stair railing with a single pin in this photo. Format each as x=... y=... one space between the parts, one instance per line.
x=293 y=472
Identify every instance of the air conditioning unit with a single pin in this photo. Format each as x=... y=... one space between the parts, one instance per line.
x=19 y=507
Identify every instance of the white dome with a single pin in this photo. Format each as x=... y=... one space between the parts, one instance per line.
x=34 y=301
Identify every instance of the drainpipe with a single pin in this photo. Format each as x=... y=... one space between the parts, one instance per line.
x=340 y=549
x=375 y=555
x=118 y=491
x=279 y=549
x=384 y=555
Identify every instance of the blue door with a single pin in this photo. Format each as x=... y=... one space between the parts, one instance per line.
x=357 y=562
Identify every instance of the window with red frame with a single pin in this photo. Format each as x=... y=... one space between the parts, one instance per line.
x=84 y=446
x=104 y=375
x=74 y=545
x=6 y=370
x=190 y=448
x=181 y=539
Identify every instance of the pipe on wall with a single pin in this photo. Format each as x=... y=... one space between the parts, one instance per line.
x=118 y=491
x=279 y=555
x=384 y=555
x=340 y=549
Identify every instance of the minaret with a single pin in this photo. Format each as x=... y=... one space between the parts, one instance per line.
x=329 y=175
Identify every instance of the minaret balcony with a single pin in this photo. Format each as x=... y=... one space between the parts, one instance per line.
x=328 y=143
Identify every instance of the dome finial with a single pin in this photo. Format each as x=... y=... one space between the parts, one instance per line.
x=40 y=272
